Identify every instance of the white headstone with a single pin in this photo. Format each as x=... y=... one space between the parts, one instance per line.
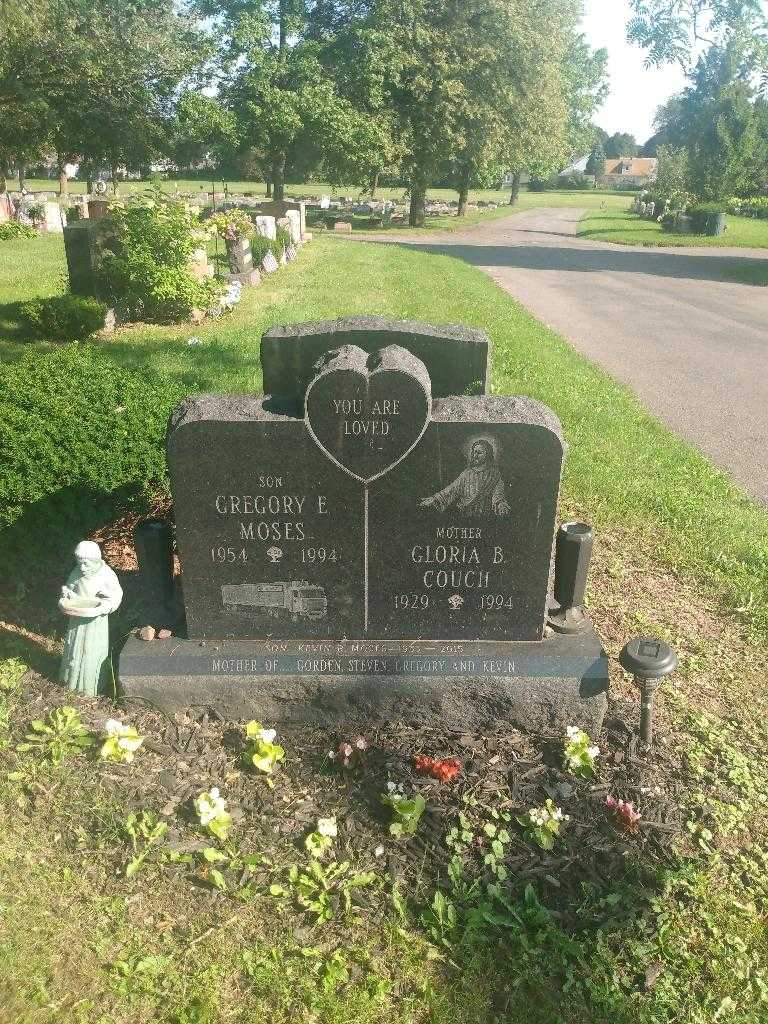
x=265 y=226
x=294 y=225
x=54 y=217
x=325 y=202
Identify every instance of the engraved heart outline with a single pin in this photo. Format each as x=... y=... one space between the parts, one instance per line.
x=367 y=377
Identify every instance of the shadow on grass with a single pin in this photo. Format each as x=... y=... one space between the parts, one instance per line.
x=13 y=325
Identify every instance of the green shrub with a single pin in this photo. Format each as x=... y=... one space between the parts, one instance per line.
x=80 y=438
x=64 y=317
x=260 y=246
x=146 y=271
x=12 y=229
x=282 y=241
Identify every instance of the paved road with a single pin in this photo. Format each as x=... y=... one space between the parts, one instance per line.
x=694 y=348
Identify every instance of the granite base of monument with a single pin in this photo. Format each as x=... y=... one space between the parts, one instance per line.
x=479 y=687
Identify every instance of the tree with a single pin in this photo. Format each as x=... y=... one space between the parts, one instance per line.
x=200 y=127
x=620 y=144
x=672 y=30
x=96 y=81
x=673 y=177
x=596 y=162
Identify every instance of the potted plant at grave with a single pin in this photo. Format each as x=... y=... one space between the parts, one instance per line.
x=708 y=219
x=35 y=212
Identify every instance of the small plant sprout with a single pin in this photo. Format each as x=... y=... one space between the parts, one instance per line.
x=319 y=842
x=347 y=755
x=579 y=754
x=61 y=735
x=624 y=813
x=121 y=743
x=543 y=824
x=407 y=811
x=445 y=769
x=211 y=809
x=261 y=750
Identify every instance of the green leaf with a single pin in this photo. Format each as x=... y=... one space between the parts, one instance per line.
x=218 y=879
x=212 y=855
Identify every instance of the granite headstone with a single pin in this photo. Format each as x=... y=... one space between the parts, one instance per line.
x=372 y=552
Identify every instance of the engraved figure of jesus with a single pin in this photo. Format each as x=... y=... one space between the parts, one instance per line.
x=478 y=490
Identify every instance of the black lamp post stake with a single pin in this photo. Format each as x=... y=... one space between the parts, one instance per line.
x=649 y=660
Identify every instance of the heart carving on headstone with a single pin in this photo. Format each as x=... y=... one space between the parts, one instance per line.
x=367 y=412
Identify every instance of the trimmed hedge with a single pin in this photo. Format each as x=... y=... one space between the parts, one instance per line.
x=79 y=438
x=64 y=317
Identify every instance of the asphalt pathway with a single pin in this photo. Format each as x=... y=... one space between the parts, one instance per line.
x=692 y=346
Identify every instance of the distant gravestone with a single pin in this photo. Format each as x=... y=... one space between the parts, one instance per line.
x=280 y=207
x=294 y=225
x=239 y=255
x=85 y=242
x=265 y=226
x=456 y=358
x=54 y=218
x=372 y=553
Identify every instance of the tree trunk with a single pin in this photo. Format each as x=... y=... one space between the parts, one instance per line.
x=463 y=191
x=3 y=178
x=113 y=170
x=278 y=176
x=514 y=195
x=269 y=188
x=21 y=170
x=63 y=180
x=374 y=184
x=417 y=211
x=89 y=184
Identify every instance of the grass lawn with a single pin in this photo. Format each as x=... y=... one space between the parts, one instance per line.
x=680 y=552
x=627 y=228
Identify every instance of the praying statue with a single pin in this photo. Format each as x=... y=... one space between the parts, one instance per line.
x=91 y=592
x=478 y=490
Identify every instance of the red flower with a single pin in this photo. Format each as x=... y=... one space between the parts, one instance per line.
x=444 y=770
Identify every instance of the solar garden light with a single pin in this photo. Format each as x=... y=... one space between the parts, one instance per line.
x=573 y=551
x=649 y=660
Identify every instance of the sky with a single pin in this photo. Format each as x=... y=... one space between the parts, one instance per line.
x=636 y=91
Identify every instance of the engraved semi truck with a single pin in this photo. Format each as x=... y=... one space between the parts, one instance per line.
x=298 y=599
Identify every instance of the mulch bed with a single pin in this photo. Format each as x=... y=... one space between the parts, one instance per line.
x=512 y=772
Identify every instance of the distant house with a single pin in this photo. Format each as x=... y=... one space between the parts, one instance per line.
x=575 y=167
x=629 y=171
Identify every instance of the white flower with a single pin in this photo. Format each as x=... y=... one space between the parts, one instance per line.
x=332 y=755
x=327 y=827
x=391 y=787
x=379 y=851
x=210 y=806
x=361 y=743
x=573 y=732
x=268 y=735
x=113 y=727
x=593 y=752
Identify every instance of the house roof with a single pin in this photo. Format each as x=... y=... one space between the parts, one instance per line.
x=631 y=165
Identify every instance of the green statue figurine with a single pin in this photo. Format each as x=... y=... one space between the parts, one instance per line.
x=91 y=592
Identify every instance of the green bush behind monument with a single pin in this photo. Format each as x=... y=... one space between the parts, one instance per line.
x=79 y=437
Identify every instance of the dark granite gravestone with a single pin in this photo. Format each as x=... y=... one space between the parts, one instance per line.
x=374 y=555
x=84 y=245
x=456 y=358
